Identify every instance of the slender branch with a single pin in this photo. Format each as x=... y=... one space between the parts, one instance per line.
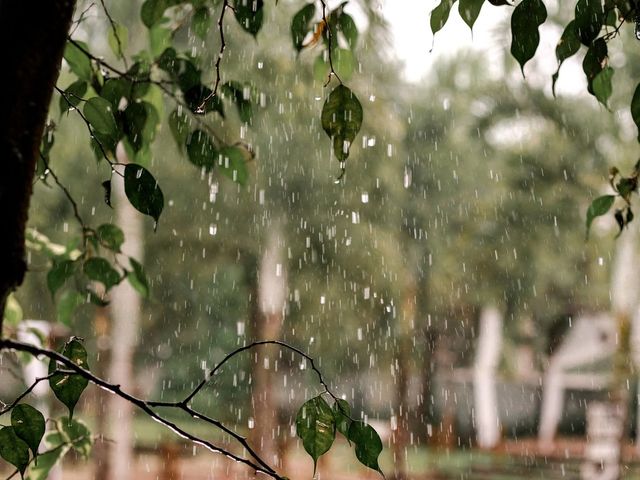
x=140 y=403
x=74 y=205
x=330 y=40
x=81 y=17
x=115 y=34
x=96 y=59
x=230 y=355
x=10 y=406
x=223 y=45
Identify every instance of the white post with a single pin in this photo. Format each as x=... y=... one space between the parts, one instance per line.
x=487 y=422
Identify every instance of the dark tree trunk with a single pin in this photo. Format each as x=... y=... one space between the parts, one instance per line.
x=33 y=35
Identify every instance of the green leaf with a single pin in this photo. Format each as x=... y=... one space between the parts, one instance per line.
x=118 y=39
x=115 y=89
x=342 y=416
x=635 y=108
x=99 y=113
x=195 y=96
x=106 y=186
x=66 y=305
x=588 y=20
x=179 y=126
x=77 y=434
x=137 y=278
x=201 y=22
x=28 y=424
x=440 y=15
x=78 y=61
x=368 y=444
x=143 y=191
x=12 y=311
x=13 y=449
x=135 y=119
x=159 y=39
x=601 y=85
x=73 y=95
x=316 y=427
x=249 y=14
x=568 y=45
x=201 y=150
x=237 y=93
x=341 y=119
x=69 y=387
x=525 y=21
x=100 y=270
x=594 y=62
x=598 y=207
x=349 y=29
x=46 y=461
x=60 y=272
x=111 y=236
x=152 y=11
x=301 y=25
x=234 y=164
x=469 y=11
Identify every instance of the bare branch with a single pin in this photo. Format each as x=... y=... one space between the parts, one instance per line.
x=223 y=45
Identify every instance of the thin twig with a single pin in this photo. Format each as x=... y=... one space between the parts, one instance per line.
x=141 y=404
x=115 y=34
x=10 y=406
x=330 y=40
x=230 y=355
x=74 y=205
x=223 y=45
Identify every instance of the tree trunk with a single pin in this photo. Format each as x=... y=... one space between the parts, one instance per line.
x=266 y=325
x=125 y=316
x=34 y=36
x=487 y=421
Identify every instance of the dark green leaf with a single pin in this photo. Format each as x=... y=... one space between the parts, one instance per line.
x=598 y=207
x=69 y=387
x=100 y=270
x=28 y=424
x=342 y=415
x=626 y=186
x=201 y=150
x=239 y=95
x=111 y=236
x=368 y=444
x=249 y=14
x=568 y=45
x=619 y=220
x=635 y=109
x=114 y=90
x=77 y=434
x=349 y=29
x=106 y=185
x=99 y=113
x=201 y=22
x=525 y=21
x=469 y=11
x=143 y=191
x=13 y=449
x=629 y=217
x=440 y=15
x=594 y=61
x=135 y=119
x=316 y=427
x=179 y=126
x=73 y=95
x=588 y=20
x=195 y=97
x=60 y=272
x=78 y=61
x=234 y=164
x=152 y=11
x=601 y=85
x=341 y=119
x=301 y=25
x=66 y=305
x=137 y=278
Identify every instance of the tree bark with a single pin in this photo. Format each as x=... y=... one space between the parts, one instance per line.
x=34 y=36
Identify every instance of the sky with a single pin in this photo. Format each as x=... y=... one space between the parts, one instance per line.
x=415 y=45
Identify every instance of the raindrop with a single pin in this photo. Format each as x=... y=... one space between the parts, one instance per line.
x=365 y=197
x=240 y=328
x=251 y=423
x=213 y=229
